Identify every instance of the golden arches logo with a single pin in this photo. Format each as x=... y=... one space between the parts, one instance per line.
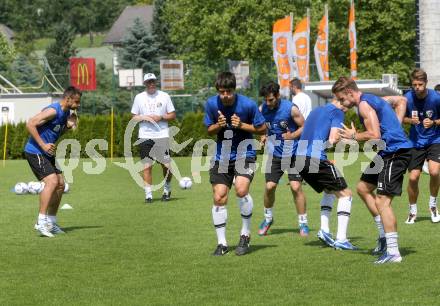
x=82 y=74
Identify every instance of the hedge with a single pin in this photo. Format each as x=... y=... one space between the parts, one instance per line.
x=98 y=127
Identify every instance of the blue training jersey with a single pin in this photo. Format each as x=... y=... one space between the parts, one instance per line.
x=391 y=130
x=50 y=131
x=278 y=120
x=248 y=112
x=317 y=130
x=429 y=107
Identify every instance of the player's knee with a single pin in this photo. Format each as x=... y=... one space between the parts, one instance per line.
x=51 y=183
x=434 y=173
x=220 y=199
x=362 y=188
x=271 y=187
x=296 y=187
x=413 y=178
x=241 y=192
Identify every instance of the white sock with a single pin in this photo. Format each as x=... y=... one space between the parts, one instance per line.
x=326 y=210
x=432 y=202
x=167 y=187
x=148 y=193
x=246 y=204
x=52 y=219
x=413 y=209
x=392 y=245
x=219 y=217
x=302 y=219
x=42 y=218
x=344 y=208
x=379 y=225
x=268 y=214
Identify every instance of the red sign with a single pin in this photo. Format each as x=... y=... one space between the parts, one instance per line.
x=83 y=73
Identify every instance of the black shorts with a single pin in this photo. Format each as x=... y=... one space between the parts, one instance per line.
x=320 y=174
x=389 y=179
x=222 y=173
x=42 y=165
x=155 y=149
x=275 y=170
x=418 y=157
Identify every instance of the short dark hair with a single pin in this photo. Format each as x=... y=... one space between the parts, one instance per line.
x=419 y=75
x=71 y=91
x=225 y=80
x=437 y=87
x=270 y=88
x=344 y=83
x=296 y=82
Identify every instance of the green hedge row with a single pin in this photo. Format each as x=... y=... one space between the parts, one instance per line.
x=98 y=127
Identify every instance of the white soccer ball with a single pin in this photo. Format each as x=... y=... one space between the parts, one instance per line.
x=66 y=187
x=21 y=188
x=35 y=187
x=185 y=183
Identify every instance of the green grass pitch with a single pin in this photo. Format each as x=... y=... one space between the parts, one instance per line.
x=119 y=251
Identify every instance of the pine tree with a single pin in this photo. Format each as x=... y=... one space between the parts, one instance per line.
x=59 y=52
x=24 y=73
x=139 y=49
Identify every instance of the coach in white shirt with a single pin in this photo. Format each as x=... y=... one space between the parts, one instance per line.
x=154 y=108
x=299 y=98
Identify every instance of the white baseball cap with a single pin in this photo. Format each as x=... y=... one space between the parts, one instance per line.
x=149 y=76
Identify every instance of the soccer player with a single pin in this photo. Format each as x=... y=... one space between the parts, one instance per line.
x=300 y=99
x=154 y=108
x=45 y=129
x=320 y=130
x=380 y=122
x=233 y=118
x=284 y=126
x=423 y=113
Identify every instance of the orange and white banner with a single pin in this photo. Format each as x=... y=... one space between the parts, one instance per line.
x=353 y=43
x=321 y=48
x=283 y=53
x=301 y=41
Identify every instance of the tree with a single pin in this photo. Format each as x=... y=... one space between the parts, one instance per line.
x=160 y=30
x=24 y=73
x=7 y=54
x=139 y=49
x=59 y=52
x=209 y=31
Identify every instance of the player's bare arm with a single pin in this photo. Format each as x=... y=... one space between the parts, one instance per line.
x=168 y=116
x=371 y=123
x=299 y=121
x=138 y=118
x=38 y=120
x=398 y=103
x=334 y=136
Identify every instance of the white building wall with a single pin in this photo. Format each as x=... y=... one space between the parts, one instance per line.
x=23 y=106
x=429 y=11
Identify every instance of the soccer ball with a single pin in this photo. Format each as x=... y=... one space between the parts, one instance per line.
x=35 y=187
x=66 y=187
x=21 y=188
x=185 y=183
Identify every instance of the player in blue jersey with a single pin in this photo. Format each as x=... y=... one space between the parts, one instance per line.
x=423 y=113
x=234 y=119
x=45 y=128
x=321 y=130
x=284 y=124
x=387 y=169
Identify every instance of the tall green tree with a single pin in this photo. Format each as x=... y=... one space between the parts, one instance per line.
x=59 y=52
x=139 y=49
x=160 y=30
x=7 y=54
x=24 y=72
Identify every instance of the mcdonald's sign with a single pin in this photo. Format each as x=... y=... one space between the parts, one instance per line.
x=83 y=73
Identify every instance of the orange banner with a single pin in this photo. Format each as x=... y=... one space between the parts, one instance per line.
x=83 y=73
x=321 y=48
x=301 y=41
x=283 y=53
x=353 y=41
